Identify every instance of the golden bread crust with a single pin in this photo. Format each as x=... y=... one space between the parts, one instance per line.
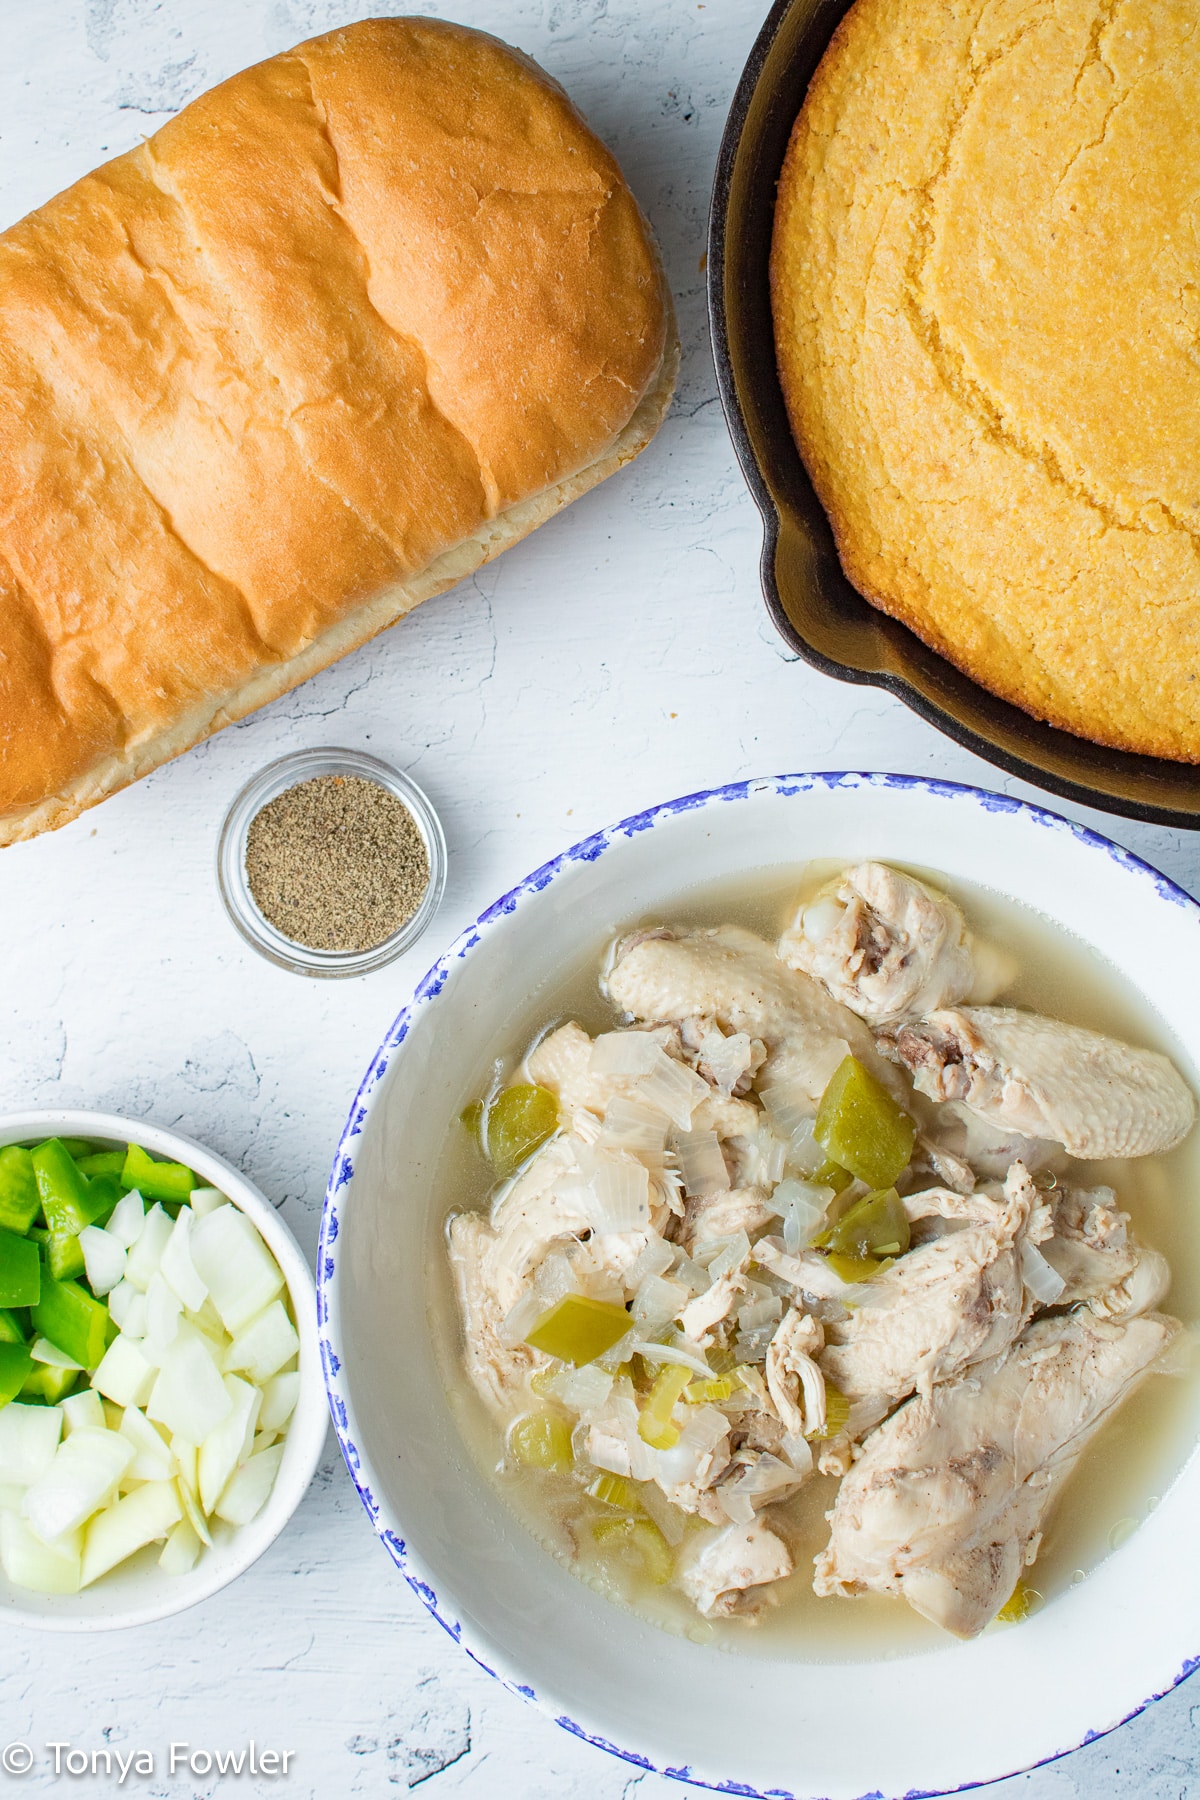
x=348 y=326
x=986 y=292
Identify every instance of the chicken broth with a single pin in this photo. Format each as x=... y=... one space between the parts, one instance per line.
x=1121 y=1473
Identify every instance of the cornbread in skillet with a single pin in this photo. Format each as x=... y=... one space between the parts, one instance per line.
x=350 y=325
x=986 y=290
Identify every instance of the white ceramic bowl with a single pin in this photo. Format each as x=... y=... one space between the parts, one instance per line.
x=138 y=1592
x=912 y=1725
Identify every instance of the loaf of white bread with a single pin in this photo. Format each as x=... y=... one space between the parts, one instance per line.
x=353 y=323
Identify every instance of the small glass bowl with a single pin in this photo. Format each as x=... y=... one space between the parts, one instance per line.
x=289 y=771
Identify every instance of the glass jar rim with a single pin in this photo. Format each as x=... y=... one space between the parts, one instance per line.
x=276 y=778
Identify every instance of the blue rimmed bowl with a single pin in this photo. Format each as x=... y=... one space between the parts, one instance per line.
x=759 y=1723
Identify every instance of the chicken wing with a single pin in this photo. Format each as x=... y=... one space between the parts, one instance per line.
x=1093 y=1094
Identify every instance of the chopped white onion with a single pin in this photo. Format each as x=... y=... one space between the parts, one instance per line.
x=28 y=1563
x=189 y=1397
x=264 y=1345
x=177 y=1268
x=153 y=1458
x=29 y=1437
x=701 y=1163
x=230 y=1443
x=163 y=1312
x=639 y=1130
x=789 y=1109
x=655 y=1259
x=657 y=1302
x=802 y=1207
x=103 y=1258
x=1044 y=1283
x=121 y=1302
x=623 y=1053
x=181 y=1548
x=204 y=1200
x=727 y=1059
x=84 y=1410
x=124 y=1374
x=143 y=1259
x=250 y=1487
x=235 y=1265
x=732 y=1254
x=554 y=1278
x=520 y=1320
x=671 y=1353
x=43 y=1351
x=128 y=1217
x=139 y=1519
x=616 y=1191
x=83 y=1476
x=673 y=1089
x=703 y=1431
x=279 y=1400
x=584 y=1390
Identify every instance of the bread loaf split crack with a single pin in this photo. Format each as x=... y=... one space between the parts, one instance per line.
x=350 y=325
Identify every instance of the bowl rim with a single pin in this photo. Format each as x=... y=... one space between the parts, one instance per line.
x=894 y=659
x=309 y=1421
x=589 y=849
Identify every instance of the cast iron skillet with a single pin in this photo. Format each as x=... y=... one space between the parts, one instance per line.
x=818 y=612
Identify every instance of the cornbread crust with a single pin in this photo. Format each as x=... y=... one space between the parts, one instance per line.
x=350 y=325
x=986 y=289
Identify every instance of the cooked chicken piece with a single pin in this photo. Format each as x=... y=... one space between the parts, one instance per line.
x=711 y=1308
x=718 y=1567
x=1091 y=1093
x=724 y=1215
x=952 y=1170
x=1090 y=1249
x=497 y=1369
x=946 y=1503
x=1144 y=1288
x=729 y=1118
x=949 y=1303
x=736 y=978
x=493 y=1262
x=792 y=1372
x=728 y=1060
x=887 y=946
x=562 y=1062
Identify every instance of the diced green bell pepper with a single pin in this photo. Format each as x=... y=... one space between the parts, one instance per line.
x=860 y=1126
x=48 y=1383
x=65 y=1193
x=18 y=1189
x=15 y=1365
x=103 y=1162
x=104 y=1191
x=518 y=1122
x=77 y=1147
x=155 y=1180
x=20 y=1270
x=578 y=1329
x=73 y=1321
x=856 y=1268
x=10 y=1328
x=876 y=1225
x=64 y=1258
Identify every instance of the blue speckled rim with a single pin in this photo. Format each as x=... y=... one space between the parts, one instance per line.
x=590 y=849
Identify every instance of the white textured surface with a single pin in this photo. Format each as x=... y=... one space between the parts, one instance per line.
x=620 y=656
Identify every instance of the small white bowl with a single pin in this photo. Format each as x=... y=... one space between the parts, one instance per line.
x=761 y=1722
x=138 y=1592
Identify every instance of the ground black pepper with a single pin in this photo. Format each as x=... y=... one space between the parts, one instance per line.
x=336 y=863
